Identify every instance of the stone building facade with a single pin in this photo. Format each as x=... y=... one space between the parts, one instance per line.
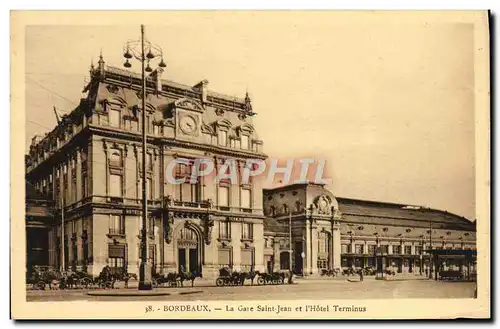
x=330 y=233
x=90 y=164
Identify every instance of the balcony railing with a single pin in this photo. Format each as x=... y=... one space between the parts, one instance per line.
x=191 y=204
x=116 y=231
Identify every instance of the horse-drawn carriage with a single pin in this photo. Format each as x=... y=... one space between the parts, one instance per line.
x=228 y=277
x=330 y=272
x=56 y=279
x=174 y=279
x=271 y=278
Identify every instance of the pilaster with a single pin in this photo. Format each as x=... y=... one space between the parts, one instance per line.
x=314 y=248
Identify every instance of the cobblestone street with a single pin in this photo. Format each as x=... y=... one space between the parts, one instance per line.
x=313 y=289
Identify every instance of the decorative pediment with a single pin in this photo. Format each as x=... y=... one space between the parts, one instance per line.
x=224 y=123
x=206 y=129
x=115 y=100
x=246 y=128
x=188 y=104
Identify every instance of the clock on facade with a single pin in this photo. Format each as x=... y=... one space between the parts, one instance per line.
x=188 y=124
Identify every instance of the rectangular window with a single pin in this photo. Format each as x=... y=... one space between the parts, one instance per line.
x=225 y=230
x=116 y=225
x=359 y=249
x=224 y=258
x=244 y=142
x=150 y=162
x=418 y=250
x=372 y=249
x=116 y=264
x=246 y=199
x=84 y=185
x=247 y=258
x=345 y=248
x=224 y=196
x=384 y=249
x=150 y=187
x=408 y=250
x=114 y=118
x=247 y=231
x=187 y=192
x=396 y=250
x=115 y=185
x=222 y=138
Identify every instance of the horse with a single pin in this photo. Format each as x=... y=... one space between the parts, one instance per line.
x=187 y=276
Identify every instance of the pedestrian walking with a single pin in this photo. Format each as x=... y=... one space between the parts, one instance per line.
x=361 y=275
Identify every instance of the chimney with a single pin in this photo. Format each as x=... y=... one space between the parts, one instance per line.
x=202 y=87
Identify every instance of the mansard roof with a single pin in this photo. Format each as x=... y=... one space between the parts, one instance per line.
x=398 y=214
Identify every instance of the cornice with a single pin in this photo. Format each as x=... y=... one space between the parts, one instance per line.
x=161 y=140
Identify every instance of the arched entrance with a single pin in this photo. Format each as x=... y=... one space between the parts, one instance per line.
x=188 y=251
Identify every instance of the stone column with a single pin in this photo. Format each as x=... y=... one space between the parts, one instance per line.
x=314 y=248
x=337 y=248
x=308 y=251
x=236 y=244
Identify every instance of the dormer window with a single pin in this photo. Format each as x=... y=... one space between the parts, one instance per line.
x=222 y=136
x=245 y=142
x=114 y=118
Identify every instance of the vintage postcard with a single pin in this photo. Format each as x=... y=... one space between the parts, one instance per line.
x=250 y=165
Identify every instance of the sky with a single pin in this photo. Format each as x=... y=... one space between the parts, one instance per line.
x=388 y=103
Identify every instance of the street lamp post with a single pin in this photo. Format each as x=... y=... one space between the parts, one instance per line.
x=145 y=279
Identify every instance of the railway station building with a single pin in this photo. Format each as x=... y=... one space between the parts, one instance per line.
x=90 y=166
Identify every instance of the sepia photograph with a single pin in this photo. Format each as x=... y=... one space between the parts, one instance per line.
x=257 y=164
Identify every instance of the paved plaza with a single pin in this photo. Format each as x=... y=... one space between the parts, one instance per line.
x=302 y=289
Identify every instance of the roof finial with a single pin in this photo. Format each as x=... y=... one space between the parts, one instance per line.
x=101 y=60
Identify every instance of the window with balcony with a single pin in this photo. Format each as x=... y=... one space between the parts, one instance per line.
x=187 y=191
x=225 y=230
x=247 y=231
x=116 y=224
x=418 y=250
x=115 y=185
x=223 y=197
x=407 y=250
